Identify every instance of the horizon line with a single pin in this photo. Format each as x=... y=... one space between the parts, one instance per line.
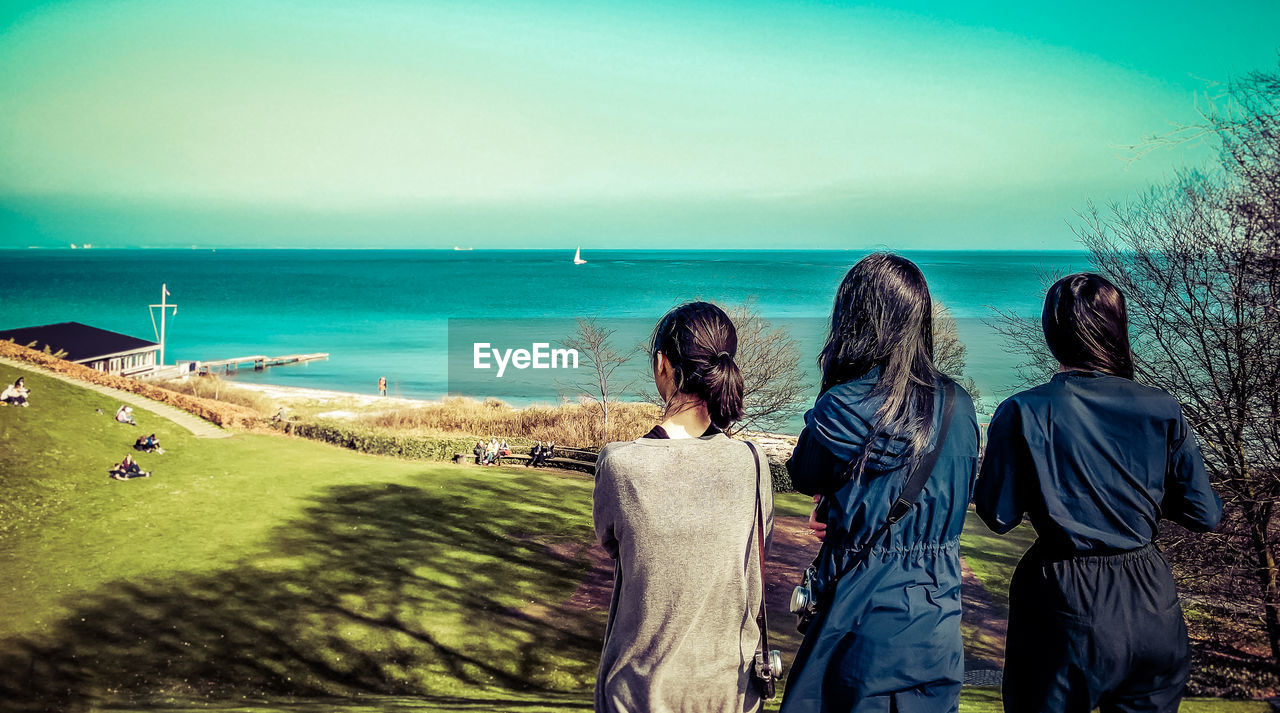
x=596 y=250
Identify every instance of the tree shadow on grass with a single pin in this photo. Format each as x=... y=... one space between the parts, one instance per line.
x=387 y=589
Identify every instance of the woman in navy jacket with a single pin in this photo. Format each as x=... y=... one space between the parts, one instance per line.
x=1094 y=459
x=887 y=632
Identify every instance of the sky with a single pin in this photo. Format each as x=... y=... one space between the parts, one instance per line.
x=907 y=125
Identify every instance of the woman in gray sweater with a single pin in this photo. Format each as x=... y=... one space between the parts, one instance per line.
x=676 y=509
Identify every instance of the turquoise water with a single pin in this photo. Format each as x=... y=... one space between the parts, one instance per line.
x=386 y=312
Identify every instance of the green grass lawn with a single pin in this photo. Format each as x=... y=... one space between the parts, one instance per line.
x=260 y=572
x=261 y=565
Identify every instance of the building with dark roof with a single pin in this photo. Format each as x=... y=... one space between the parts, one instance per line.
x=100 y=349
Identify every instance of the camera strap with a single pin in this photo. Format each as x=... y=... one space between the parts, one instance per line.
x=763 y=619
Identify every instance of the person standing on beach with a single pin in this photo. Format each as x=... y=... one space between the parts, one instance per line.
x=382 y=386
x=677 y=511
x=1094 y=459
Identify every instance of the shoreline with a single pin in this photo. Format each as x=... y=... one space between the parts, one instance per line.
x=770 y=442
x=300 y=393
x=328 y=403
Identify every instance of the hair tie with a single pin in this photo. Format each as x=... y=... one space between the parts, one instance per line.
x=722 y=355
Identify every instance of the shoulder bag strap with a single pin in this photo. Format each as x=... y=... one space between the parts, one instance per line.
x=924 y=468
x=919 y=475
x=763 y=619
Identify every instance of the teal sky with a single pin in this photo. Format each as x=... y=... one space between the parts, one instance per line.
x=646 y=124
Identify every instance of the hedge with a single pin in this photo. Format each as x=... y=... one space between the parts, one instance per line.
x=387 y=443
x=223 y=414
x=781 y=479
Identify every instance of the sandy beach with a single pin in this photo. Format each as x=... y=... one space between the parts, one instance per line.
x=346 y=404
x=298 y=393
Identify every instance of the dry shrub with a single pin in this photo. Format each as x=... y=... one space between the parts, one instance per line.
x=223 y=414
x=212 y=387
x=578 y=425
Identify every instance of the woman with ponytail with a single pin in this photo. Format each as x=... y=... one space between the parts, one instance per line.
x=1094 y=460
x=885 y=632
x=677 y=511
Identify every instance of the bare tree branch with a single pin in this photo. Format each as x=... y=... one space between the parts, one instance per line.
x=599 y=385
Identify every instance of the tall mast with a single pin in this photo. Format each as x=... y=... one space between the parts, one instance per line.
x=164 y=310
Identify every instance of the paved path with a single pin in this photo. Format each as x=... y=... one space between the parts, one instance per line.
x=199 y=427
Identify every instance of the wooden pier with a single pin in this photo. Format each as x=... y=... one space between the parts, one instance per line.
x=259 y=362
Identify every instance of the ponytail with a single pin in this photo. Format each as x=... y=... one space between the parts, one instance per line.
x=699 y=341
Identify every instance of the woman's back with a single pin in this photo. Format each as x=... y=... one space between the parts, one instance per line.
x=903 y=601
x=1094 y=460
x=836 y=433
x=678 y=515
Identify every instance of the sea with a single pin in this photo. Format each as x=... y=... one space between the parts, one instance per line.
x=414 y=316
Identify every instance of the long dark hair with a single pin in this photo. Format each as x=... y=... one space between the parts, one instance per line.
x=699 y=341
x=883 y=317
x=1086 y=325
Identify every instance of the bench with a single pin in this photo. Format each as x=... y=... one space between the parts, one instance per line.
x=580 y=454
x=471 y=457
x=577 y=464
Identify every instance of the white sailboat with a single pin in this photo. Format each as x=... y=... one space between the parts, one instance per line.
x=577 y=257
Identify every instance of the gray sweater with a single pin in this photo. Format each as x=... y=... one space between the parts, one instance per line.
x=678 y=517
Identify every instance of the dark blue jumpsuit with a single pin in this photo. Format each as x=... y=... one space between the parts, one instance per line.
x=889 y=639
x=1094 y=621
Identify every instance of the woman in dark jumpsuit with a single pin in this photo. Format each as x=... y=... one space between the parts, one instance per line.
x=1094 y=459
x=887 y=636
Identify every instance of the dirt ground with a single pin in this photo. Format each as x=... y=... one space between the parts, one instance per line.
x=793 y=548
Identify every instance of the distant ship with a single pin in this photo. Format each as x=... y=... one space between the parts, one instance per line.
x=455 y=247
x=577 y=257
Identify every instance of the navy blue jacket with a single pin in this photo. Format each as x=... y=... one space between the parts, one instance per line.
x=893 y=623
x=1095 y=461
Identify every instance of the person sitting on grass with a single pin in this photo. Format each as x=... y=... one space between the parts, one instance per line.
x=124 y=414
x=128 y=468
x=148 y=444
x=16 y=394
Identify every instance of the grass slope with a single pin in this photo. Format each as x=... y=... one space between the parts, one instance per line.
x=265 y=573
x=261 y=565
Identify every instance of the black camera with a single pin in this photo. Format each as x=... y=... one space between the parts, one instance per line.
x=804 y=600
x=765 y=672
